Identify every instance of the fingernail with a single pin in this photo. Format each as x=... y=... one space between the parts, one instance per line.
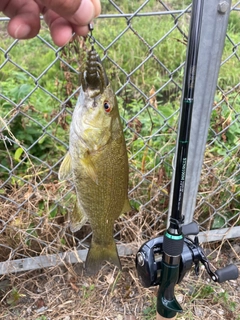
x=22 y=31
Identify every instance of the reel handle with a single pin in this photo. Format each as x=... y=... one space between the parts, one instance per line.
x=229 y=272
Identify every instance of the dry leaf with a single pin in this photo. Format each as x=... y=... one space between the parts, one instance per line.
x=74 y=287
x=153 y=99
x=109 y=278
x=40 y=303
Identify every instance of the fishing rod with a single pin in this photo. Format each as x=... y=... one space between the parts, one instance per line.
x=164 y=261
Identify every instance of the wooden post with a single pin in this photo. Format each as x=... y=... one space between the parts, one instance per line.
x=161 y=318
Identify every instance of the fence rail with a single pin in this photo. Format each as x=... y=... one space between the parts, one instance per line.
x=144 y=53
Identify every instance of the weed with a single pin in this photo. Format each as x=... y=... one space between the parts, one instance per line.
x=42 y=317
x=225 y=299
x=149 y=313
x=203 y=292
x=87 y=291
x=14 y=297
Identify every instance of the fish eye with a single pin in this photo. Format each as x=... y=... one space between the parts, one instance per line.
x=107 y=106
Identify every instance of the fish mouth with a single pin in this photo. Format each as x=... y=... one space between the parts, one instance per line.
x=94 y=77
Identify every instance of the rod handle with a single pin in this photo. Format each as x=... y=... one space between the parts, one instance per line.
x=159 y=317
x=167 y=304
x=229 y=272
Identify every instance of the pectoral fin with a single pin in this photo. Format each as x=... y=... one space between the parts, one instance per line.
x=78 y=218
x=89 y=168
x=65 y=168
x=126 y=207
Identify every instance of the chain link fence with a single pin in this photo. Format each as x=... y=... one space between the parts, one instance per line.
x=143 y=48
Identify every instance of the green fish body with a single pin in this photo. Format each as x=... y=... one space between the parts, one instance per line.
x=98 y=161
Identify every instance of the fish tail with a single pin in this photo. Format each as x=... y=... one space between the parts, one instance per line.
x=97 y=254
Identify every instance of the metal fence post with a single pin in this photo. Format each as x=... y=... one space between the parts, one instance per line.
x=214 y=26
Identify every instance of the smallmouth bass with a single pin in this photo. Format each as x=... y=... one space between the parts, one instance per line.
x=97 y=160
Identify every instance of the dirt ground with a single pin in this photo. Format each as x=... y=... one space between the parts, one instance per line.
x=66 y=293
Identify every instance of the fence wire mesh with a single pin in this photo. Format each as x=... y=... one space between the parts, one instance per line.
x=143 y=48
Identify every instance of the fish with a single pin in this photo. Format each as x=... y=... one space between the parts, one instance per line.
x=98 y=163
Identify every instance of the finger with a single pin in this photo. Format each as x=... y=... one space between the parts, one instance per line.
x=88 y=10
x=61 y=29
x=81 y=30
x=97 y=6
x=62 y=7
x=61 y=32
x=24 y=22
x=80 y=14
x=23 y=27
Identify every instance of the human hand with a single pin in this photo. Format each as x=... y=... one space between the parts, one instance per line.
x=63 y=17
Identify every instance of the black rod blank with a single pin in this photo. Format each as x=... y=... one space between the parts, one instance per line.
x=186 y=111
